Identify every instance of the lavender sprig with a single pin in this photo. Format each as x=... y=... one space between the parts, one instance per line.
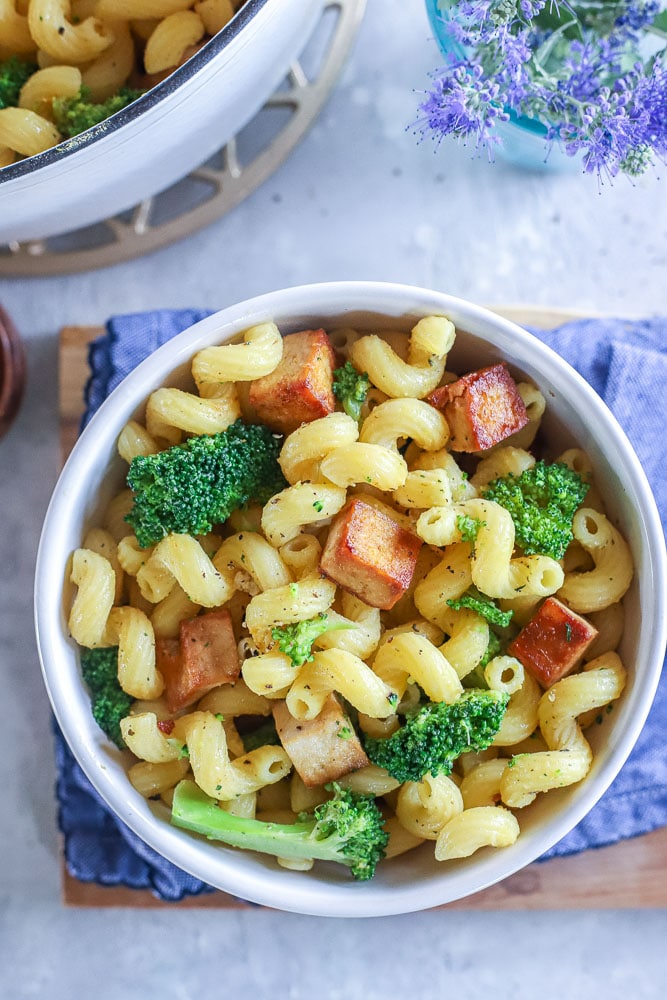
x=581 y=68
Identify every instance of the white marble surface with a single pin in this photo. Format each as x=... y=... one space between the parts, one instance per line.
x=358 y=198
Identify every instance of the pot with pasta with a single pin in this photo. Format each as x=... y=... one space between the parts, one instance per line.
x=105 y=104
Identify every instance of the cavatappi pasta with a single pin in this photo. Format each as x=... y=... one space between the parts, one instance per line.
x=267 y=567
x=98 y=48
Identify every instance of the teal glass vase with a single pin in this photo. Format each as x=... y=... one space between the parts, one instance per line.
x=523 y=141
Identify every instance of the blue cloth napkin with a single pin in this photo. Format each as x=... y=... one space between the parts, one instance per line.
x=626 y=363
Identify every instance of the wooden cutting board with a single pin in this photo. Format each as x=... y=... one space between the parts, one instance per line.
x=631 y=874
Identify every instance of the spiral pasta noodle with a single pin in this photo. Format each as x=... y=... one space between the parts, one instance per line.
x=424 y=807
x=304 y=448
x=493 y=569
x=181 y=559
x=25 y=132
x=54 y=31
x=336 y=670
x=258 y=355
x=215 y=773
x=569 y=756
x=474 y=828
x=606 y=584
x=96 y=582
x=430 y=342
x=397 y=419
x=130 y=630
x=288 y=512
x=412 y=656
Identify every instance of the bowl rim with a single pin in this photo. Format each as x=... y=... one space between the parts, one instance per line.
x=283 y=889
x=150 y=99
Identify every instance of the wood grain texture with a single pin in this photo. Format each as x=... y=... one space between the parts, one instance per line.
x=72 y=377
x=629 y=875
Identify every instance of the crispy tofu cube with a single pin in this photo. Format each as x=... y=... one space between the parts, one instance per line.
x=321 y=749
x=301 y=387
x=204 y=657
x=481 y=408
x=370 y=554
x=553 y=642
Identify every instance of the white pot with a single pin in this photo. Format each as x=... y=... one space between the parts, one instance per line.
x=170 y=130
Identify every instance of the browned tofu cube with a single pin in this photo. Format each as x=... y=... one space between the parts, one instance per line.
x=481 y=408
x=205 y=657
x=321 y=749
x=300 y=389
x=370 y=554
x=552 y=643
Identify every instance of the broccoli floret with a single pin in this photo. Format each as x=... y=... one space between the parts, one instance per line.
x=469 y=528
x=542 y=502
x=73 y=115
x=296 y=640
x=348 y=828
x=430 y=741
x=192 y=486
x=13 y=74
x=483 y=605
x=351 y=388
x=110 y=703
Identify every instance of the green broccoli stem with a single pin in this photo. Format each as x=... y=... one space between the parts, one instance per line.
x=193 y=810
x=347 y=828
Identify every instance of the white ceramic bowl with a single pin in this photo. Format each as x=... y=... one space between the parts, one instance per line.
x=159 y=138
x=574 y=414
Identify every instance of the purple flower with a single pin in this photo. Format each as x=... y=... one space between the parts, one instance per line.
x=651 y=95
x=604 y=135
x=580 y=71
x=531 y=8
x=463 y=102
x=637 y=14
